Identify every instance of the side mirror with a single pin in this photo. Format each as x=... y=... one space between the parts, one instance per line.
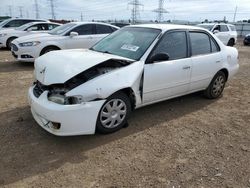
x=159 y=57
x=73 y=34
x=216 y=31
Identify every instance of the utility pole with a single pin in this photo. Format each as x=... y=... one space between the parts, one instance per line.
x=21 y=11
x=52 y=6
x=37 y=10
x=135 y=11
x=81 y=17
x=10 y=10
x=235 y=13
x=160 y=11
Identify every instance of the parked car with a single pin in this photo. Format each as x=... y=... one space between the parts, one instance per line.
x=247 y=40
x=8 y=35
x=17 y=22
x=67 y=36
x=86 y=90
x=225 y=32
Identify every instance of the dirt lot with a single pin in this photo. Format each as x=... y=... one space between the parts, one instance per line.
x=185 y=142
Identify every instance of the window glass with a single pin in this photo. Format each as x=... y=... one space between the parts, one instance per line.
x=223 y=28
x=200 y=43
x=214 y=46
x=87 y=29
x=52 y=26
x=130 y=42
x=232 y=28
x=103 y=29
x=174 y=44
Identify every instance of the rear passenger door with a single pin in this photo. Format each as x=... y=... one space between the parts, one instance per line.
x=85 y=39
x=224 y=34
x=206 y=59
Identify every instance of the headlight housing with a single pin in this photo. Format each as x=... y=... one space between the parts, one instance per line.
x=27 y=44
x=64 y=100
x=3 y=34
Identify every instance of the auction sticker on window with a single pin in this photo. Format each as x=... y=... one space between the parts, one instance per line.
x=130 y=47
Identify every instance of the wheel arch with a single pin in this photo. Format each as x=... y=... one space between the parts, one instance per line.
x=12 y=37
x=131 y=95
x=49 y=46
x=225 y=71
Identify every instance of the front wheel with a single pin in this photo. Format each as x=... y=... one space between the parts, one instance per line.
x=114 y=113
x=216 y=87
x=230 y=42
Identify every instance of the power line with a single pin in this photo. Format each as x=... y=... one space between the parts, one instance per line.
x=37 y=10
x=160 y=11
x=21 y=11
x=52 y=6
x=135 y=11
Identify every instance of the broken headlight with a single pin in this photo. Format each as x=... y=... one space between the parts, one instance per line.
x=64 y=100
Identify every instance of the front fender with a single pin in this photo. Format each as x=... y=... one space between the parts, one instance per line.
x=105 y=85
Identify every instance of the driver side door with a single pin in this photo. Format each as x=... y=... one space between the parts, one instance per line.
x=168 y=78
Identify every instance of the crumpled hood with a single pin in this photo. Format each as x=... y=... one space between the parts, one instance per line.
x=57 y=67
x=38 y=37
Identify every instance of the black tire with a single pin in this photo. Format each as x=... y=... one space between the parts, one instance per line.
x=9 y=42
x=48 y=49
x=230 y=42
x=119 y=96
x=216 y=87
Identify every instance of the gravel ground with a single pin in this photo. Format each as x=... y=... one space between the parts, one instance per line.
x=185 y=142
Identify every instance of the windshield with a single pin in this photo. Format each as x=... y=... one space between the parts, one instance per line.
x=208 y=27
x=61 y=29
x=4 y=22
x=23 y=27
x=129 y=42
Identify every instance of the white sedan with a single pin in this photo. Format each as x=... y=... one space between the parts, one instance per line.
x=68 y=36
x=83 y=91
x=8 y=35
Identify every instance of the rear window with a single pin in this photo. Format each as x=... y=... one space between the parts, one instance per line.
x=232 y=28
x=223 y=28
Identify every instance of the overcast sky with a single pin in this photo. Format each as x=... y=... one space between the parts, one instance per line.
x=192 y=10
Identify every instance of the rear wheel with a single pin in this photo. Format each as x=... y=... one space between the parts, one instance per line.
x=231 y=42
x=216 y=87
x=9 y=41
x=114 y=113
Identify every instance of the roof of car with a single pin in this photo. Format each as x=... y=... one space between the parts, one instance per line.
x=166 y=27
x=79 y=23
x=44 y=23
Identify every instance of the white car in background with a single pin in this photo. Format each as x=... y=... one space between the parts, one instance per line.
x=17 y=22
x=86 y=90
x=68 y=36
x=225 y=32
x=8 y=35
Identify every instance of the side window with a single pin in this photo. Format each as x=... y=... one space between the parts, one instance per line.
x=214 y=46
x=43 y=27
x=217 y=27
x=223 y=28
x=87 y=29
x=200 y=43
x=33 y=28
x=114 y=29
x=10 y=24
x=103 y=29
x=174 y=44
x=52 y=26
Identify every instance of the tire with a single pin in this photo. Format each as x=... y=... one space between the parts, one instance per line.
x=216 y=87
x=9 y=42
x=116 y=108
x=48 y=49
x=230 y=42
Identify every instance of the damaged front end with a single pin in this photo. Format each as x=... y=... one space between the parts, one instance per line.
x=57 y=93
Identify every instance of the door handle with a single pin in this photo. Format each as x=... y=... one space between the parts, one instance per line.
x=217 y=61
x=186 y=67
